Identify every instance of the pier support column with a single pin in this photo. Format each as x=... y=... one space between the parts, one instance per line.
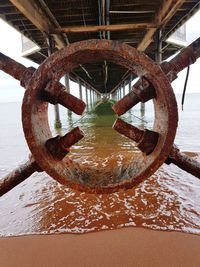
x=124 y=88
x=51 y=46
x=98 y=97
x=67 y=86
x=86 y=95
x=129 y=84
x=158 y=55
x=90 y=97
x=120 y=92
x=80 y=90
x=142 y=109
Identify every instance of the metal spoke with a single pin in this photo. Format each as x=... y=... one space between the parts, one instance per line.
x=146 y=140
x=18 y=175
x=142 y=91
x=59 y=146
x=56 y=93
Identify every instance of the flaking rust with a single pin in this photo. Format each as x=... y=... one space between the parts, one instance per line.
x=59 y=146
x=18 y=175
x=49 y=153
x=62 y=168
x=143 y=90
x=54 y=92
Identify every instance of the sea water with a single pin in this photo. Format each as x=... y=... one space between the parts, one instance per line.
x=168 y=200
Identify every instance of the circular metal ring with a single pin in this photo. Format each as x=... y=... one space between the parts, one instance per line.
x=35 y=117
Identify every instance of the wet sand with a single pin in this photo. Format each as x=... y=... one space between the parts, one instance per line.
x=122 y=247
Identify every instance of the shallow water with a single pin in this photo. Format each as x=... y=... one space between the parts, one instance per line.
x=169 y=200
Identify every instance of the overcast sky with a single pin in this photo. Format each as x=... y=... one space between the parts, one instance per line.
x=10 y=44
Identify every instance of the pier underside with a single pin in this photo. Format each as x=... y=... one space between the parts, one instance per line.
x=134 y=23
x=100 y=45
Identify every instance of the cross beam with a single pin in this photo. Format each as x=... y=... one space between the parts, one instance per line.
x=33 y=12
x=116 y=27
x=164 y=14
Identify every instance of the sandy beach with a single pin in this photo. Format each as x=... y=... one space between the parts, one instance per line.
x=122 y=247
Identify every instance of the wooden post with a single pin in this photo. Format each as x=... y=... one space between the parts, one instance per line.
x=51 y=45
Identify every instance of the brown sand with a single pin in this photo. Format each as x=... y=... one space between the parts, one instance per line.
x=122 y=247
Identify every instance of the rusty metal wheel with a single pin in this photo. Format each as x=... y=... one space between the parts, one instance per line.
x=35 y=117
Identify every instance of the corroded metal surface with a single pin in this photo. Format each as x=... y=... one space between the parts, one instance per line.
x=54 y=93
x=50 y=152
x=185 y=58
x=141 y=92
x=184 y=162
x=59 y=146
x=11 y=67
x=146 y=140
x=37 y=130
x=18 y=175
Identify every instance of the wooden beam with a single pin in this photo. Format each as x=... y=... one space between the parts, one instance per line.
x=117 y=27
x=147 y=39
x=40 y=19
x=164 y=14
x=131 y=11
x=37 y=16
x=32 y=12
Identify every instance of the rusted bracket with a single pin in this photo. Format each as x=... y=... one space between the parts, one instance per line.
x=18 y=175
x=54 y=92
x=184 y=162
x=146 y=142
x=57 y=146
x=40 y=88
x=143 y=91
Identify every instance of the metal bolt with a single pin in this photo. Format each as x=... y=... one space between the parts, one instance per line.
x=146 y=140
x=59 y=146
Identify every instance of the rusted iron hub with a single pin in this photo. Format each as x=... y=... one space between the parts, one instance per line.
x=41 y=89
